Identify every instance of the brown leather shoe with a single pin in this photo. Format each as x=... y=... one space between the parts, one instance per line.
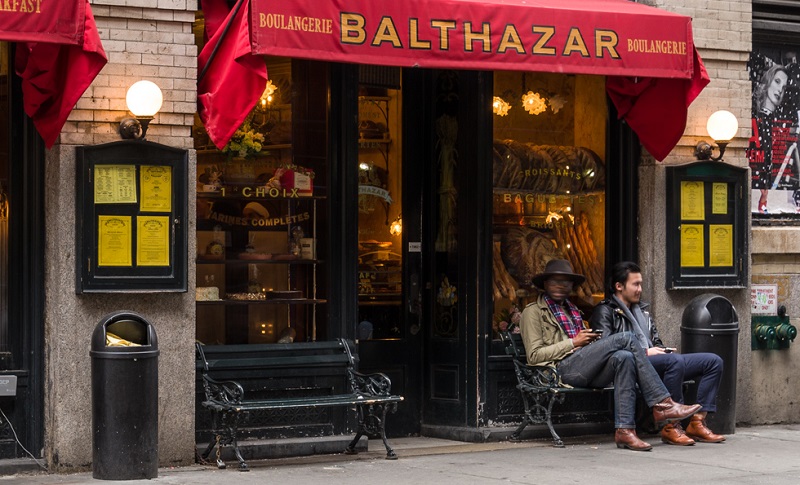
x=626 y=438
x=698 y=430
x=669 y=411
x=673 y=434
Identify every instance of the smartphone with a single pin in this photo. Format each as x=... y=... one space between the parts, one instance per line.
x=598 y=331
x=669 y=349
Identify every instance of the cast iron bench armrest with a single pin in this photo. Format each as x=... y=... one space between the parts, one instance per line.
x=222 y=392
x=370 y=395
x=377 y=384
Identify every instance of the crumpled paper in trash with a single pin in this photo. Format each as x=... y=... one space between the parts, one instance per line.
x=117 y=341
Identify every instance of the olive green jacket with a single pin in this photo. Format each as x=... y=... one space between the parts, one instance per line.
x=545 y=341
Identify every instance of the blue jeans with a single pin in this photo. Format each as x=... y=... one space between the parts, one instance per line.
x=619 y=359
x=676 y=368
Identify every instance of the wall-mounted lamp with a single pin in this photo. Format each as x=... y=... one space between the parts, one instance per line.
x=722 y=127
x=144 y=99
x=267 y=97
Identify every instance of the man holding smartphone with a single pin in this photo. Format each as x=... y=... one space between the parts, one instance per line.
x=624 y=312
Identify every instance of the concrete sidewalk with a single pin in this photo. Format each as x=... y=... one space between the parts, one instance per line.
x=754 y=455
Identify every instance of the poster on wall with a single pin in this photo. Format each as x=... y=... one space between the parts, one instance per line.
x=773 y=147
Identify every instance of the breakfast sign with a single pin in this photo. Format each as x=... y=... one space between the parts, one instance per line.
x=603 y=37
x=56 y=21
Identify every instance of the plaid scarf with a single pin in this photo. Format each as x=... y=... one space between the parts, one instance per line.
x=570 y=325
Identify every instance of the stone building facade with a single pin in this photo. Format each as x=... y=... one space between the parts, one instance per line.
x=154 y=39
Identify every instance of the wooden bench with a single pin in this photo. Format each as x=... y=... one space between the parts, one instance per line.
x=540 y=389
x=369 y=394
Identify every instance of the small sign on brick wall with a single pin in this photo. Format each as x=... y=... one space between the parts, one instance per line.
x=764 y=299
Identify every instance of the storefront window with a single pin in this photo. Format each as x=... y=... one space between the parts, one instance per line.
x=261 y=200
x=548 y=186
x=380 y=220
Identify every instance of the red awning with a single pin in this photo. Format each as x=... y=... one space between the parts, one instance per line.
x=604 y=37
x=647 y=54
x=58 y=56
x=230 y=86
x=58 y=21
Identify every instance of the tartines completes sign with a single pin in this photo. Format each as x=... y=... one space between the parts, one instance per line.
x=56 y=21
x=604 y=37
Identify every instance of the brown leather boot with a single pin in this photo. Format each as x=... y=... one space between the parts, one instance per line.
x=669 y=411
x=626 y=438
x=673 y=434
x=698 y=430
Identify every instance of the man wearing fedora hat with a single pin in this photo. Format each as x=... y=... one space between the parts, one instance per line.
x=554 y=334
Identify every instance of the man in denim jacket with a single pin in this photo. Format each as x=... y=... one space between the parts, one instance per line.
x=624 y=312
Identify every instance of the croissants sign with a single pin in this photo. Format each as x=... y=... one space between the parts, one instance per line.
x=605 y=37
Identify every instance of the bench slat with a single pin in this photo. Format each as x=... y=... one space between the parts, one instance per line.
x=302 y=402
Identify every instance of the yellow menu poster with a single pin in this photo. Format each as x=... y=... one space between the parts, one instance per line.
x=692 y=201
x=692 y=246
x=114 y=184
x=152 y=241
x=156 y=188
x=719 y=198
x=720 y=245
x=114 y=241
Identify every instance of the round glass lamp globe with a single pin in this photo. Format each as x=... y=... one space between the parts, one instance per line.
x=144 y=99
x=722 y=126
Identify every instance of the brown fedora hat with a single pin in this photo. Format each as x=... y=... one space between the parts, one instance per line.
x=557 y=267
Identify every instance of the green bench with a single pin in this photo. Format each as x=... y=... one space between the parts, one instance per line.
x=368 y=394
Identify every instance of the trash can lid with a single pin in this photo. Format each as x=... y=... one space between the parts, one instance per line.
x=124 y=332
x=710 y=311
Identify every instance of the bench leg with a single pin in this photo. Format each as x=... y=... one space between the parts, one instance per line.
x=556 y=439
x=351 y=448
x=370 y=423
x=211 y=445
x=242 y=465
x=516 y=436
x=390 y=454
x=227 y=436
x=539 y=410
x=529 y=417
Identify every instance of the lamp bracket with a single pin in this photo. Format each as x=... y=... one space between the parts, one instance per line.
x=134 y=128
x=705 y=151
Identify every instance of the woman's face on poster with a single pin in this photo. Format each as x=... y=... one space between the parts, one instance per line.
x=776 y=89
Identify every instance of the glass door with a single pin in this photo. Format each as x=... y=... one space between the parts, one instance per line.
x=387 y=326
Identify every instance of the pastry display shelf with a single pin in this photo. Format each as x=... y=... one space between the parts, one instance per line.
x=271 y=301
x=518 y=191
x=373 y=142
x=233 y=192
x=258 y=261
x=264 y=149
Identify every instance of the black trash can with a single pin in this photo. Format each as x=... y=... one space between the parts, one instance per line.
x=124 y=398
x=710 y=324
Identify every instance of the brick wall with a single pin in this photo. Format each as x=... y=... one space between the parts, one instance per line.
x=144 y=39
